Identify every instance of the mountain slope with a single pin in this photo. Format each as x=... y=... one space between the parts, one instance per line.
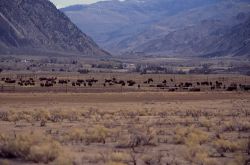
x=110 y=22
x=163 y=27
x=37 y=27
x=208 y=42
x=236 y=41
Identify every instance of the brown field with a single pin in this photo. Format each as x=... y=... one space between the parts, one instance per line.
x=129 y=128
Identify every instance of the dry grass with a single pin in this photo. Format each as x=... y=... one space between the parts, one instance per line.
x=32 y=146
x=62 y=132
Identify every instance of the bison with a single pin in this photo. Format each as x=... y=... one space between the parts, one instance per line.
x=148 y=81
x=205 y=83
x=172 y=89
x=187 y=84
x=10 y=81
x=194 y=89
x=245 y=87
x=131 y=83
x=232 y=87
x=63 y=82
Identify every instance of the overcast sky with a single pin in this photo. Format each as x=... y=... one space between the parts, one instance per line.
x=63 y=3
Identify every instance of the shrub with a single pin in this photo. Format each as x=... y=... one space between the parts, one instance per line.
x=12 y=117
x=240 y=159
x=24 y=115
x=136 y=139
x=75 y=134
x=206 y=123
x=41 y=115
x=153 y=158
x=243 y=126
x=196 y=154
x=196 y=137
x=179 y=135
x=45 y=152
x=4 y=162
x=58 y=116
x=189 y=136
x=115 y=163
x=119 y=157
x=34 y=147
x=223 y=146
x=72 y=115
x=98 y=134
x=63 y=159
x=93 y=158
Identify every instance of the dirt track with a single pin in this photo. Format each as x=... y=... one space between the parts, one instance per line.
x=117 y=97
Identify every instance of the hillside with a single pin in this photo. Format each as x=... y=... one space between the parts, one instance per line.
x=37 y=27
x=162 y=27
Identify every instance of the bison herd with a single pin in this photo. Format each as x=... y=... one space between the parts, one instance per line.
x=170 y=85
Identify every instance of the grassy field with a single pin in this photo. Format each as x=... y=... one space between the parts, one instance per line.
x=133 y=128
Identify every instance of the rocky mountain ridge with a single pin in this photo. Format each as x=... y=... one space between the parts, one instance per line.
x=37 y=27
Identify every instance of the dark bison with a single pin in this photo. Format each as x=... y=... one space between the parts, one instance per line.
x=108 y=81
x=232 y=87
x=187 y=84
x=10 y=81
x=80 y=81
x=172 y=89
x=194 y=89
x=131 y=83
x=205 y=83
x=63 y=81
x=123 y=83
x=29 y=82
x=245 y=87
x=46 y=84
x=90 y=84
x=160 y=85
x=149 y=81
x=91 y=81
x=218 y=84
x=47 y=79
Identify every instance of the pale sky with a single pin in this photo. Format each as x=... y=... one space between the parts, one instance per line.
x=63 y=3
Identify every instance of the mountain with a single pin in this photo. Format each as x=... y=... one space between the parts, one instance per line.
x=236 y=41
x=161 y=27
x=37 y=27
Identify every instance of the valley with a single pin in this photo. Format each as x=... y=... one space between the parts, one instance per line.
x=125 y=82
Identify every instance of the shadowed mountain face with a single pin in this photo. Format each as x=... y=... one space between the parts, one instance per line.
x=166 y=27
x=37 y=27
